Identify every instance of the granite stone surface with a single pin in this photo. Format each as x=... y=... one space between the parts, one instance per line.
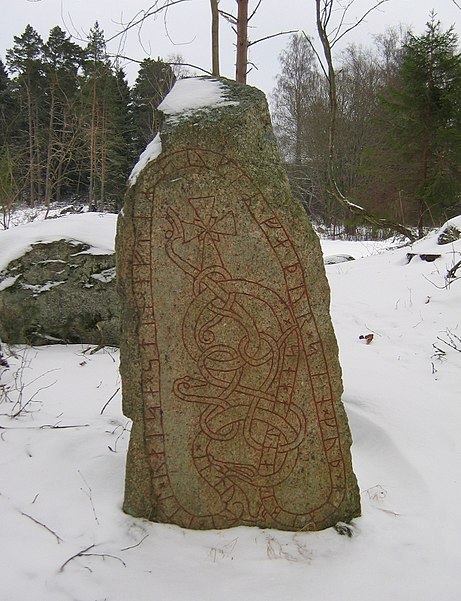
x=229 y=361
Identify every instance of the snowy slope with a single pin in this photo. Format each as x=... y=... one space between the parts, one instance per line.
x=62 y=461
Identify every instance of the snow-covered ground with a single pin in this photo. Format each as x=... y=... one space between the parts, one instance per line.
x=64 y=537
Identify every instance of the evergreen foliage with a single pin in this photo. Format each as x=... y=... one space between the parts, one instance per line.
x=70 y=126
x=155 y=79
x=398 y=127
x=423 y=122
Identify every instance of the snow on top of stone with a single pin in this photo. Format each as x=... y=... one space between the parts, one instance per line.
x=151 y=152
x=95 y=229
x=454 y=221
x=430 y=244
x=187 y=96
x=194 y=93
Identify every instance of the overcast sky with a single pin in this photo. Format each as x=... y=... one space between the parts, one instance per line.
x=186 y=29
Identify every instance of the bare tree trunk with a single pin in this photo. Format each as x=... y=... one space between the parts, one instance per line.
x=102 y=200
x=38 y=157
x=242 y=42
x=49 y=156
x=324 y=9
x=92 y=149
x=31 y=149
x=425 y=169
x=332 y=93
x=214 y=38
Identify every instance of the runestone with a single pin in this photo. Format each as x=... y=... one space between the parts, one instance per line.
x=229 y=362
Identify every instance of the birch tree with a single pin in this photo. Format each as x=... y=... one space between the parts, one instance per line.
x=330 y=33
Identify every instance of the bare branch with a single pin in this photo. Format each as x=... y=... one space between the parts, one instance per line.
x=255 y=11
x=274 y=35
x=173 y=64
x=123 y=430
x=167 y=32
x=58 y=538
x=326 y=13
x=228 y=16
x=136 y=545
x=337 y=30
x=319 y=58
x=181 y=64
x=357 y=23
x=153 y=10
x=451 y=274
x=79 y=554
x=44 y=427
x=59 y=427
x=454 y=341
x=89 y=494
x=22 y=406
x=103 y=409
x=85 y=553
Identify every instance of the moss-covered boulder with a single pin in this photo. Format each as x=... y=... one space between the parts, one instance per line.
x=229 y=361
x=59 y=292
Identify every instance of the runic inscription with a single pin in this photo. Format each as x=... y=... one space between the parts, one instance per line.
x=229 y=362
x=239 y=414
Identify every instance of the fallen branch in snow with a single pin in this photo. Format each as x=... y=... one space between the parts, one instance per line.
x=58 y=538
x=124 y=429
x=103 y=409
x=93 y=351
x=22 y=407
x=450 y=277
x=451 y=273
x=444 y=287
x=394 y=513
x=89 y=494
x=84 y=553
x=136 y=545
x=59 y=427
x=453 y=342
x=14 y=390
x=44 y=427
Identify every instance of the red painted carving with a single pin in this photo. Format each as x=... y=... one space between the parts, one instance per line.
x=250 y=428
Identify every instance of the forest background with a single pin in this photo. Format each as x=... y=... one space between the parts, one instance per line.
x=71 y=127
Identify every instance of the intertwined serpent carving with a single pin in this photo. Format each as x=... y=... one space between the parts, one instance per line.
x=249 y=346
x=247 y=368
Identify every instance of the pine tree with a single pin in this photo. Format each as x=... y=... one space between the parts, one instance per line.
x=155 y=79
x=119 y=155
x=62 y=59
x=8 y=183
x=25 y=60
x=107 y=130
x=6 y=105
x=97 y=70
x=424 y=122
